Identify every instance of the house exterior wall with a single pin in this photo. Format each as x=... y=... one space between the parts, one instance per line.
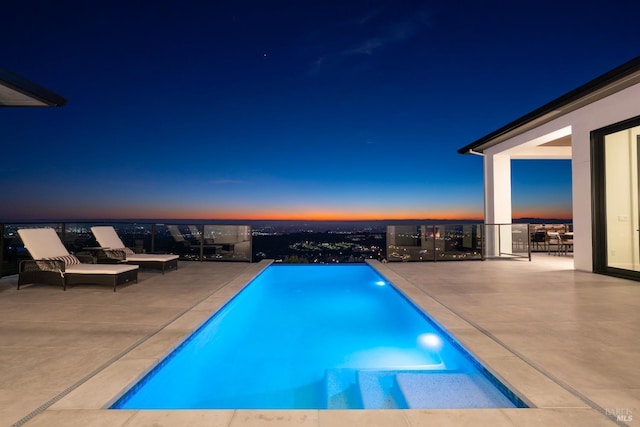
x=497 y=195
x=612 y=109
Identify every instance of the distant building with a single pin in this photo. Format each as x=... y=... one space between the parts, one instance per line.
x=597 y=127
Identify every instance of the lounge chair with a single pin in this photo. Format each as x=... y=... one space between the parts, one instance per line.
x=108 y=238
x=554 y=239
x=53 y=264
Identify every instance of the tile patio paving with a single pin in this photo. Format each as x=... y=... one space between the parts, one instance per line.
x=566 y=341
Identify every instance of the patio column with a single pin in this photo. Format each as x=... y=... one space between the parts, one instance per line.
x=497 y=202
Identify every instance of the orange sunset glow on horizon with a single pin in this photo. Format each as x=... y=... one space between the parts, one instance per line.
x=283 y=215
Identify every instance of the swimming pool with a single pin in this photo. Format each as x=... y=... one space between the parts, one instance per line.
x=317 y=337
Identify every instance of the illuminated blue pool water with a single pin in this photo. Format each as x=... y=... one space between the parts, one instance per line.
x=304 y=337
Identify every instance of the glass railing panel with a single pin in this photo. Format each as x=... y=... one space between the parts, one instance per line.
x=434 y=242
x=137 y=236
x=186 y=241
x=226 y=242
x=459 y=241
x=520 y=239
x=78 y=236
x=428 y=250
x=178 y=245
x=404 y=243
x=153 y=238
x=508 y=240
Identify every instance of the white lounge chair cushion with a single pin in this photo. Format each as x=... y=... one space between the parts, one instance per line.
x=108 y=238
x=152 y=257
x=100 y=268
x=43 y=243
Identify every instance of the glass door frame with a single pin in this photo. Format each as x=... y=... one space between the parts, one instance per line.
x=599 y=206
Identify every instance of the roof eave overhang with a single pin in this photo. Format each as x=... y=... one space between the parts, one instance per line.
x=17 y=91
x=620 y=78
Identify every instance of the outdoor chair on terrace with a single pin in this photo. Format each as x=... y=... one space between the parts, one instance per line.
x=53 y=264
x=567 y=242
x=554 y=241
x=538 y=240
x=115 y=251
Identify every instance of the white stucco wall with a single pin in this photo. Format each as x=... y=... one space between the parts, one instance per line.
x=613 y=109
x=497 y=194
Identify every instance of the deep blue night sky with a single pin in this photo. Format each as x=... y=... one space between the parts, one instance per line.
x=289 y=109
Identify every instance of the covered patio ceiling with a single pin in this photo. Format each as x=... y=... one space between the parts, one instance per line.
x=17 y=91
x=556 y=145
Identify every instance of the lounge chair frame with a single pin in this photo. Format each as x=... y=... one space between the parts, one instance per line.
x=157 y=265
x=117 y=256
x=111 y=256
x=53 y=271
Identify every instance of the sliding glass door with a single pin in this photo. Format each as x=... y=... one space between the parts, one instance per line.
x=616 y=180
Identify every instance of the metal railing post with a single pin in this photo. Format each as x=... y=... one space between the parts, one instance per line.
x=201 y=242
x=483 y=242
x=433 y=233
x=153 y=238
x=250 y=244
x=529 y=240
x=1 y=247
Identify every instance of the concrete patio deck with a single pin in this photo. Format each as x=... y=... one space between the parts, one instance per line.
x=567 y=342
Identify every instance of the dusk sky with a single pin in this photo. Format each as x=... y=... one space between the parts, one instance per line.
x=289 y=109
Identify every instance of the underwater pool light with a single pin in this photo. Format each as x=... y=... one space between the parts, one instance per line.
x=430 y=341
